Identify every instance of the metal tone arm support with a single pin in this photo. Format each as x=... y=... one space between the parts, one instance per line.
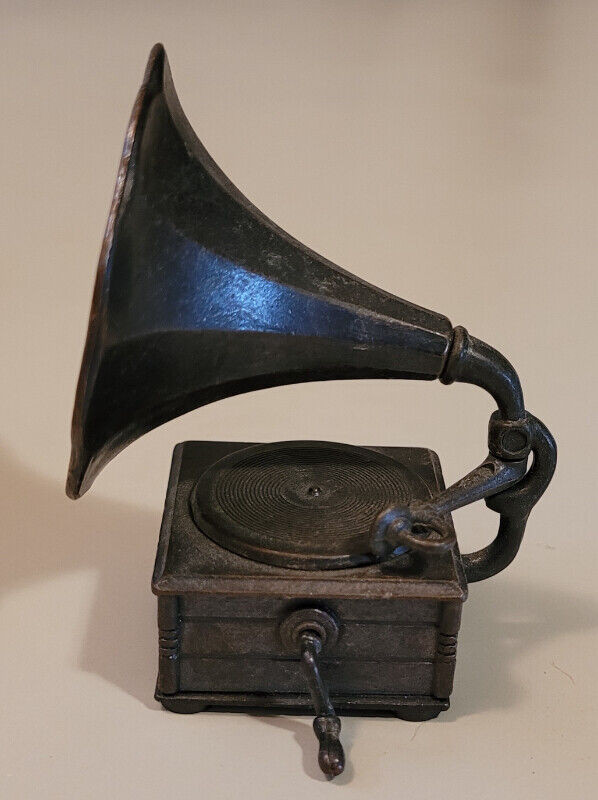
x=503 y=479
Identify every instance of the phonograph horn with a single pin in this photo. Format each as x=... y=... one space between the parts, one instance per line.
x=199 y=296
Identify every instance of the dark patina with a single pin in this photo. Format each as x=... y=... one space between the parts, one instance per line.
x=295 y=575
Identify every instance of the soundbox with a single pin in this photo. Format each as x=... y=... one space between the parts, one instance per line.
x=291 y=576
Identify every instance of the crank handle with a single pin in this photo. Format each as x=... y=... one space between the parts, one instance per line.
x=306 y=632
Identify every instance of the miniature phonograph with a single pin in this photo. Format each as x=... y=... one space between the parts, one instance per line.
x=292 y=576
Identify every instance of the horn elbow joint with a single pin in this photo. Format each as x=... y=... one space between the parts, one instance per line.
x=471 y=360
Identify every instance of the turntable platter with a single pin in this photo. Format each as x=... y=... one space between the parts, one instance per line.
x=304 y=505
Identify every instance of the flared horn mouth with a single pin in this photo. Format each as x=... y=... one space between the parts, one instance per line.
x=199 y=296
x=84 y=465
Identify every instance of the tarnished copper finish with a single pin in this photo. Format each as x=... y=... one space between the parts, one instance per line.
x=293 y=575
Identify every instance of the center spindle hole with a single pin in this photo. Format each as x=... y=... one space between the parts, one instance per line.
x=314 y=491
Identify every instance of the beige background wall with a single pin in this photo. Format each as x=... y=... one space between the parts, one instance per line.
x=446 y=151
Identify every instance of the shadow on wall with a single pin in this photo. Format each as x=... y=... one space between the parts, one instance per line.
x=47 y=534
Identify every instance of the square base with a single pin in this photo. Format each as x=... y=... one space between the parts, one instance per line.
x=219 y=616
x=413 y=708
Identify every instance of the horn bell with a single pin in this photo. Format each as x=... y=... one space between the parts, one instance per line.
x=199 y=296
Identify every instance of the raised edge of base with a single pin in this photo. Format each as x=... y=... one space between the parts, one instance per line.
x=413 y=708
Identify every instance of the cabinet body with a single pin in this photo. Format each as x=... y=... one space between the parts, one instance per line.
x=219 y=617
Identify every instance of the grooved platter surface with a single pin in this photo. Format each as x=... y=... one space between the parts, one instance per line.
x=301 y=504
